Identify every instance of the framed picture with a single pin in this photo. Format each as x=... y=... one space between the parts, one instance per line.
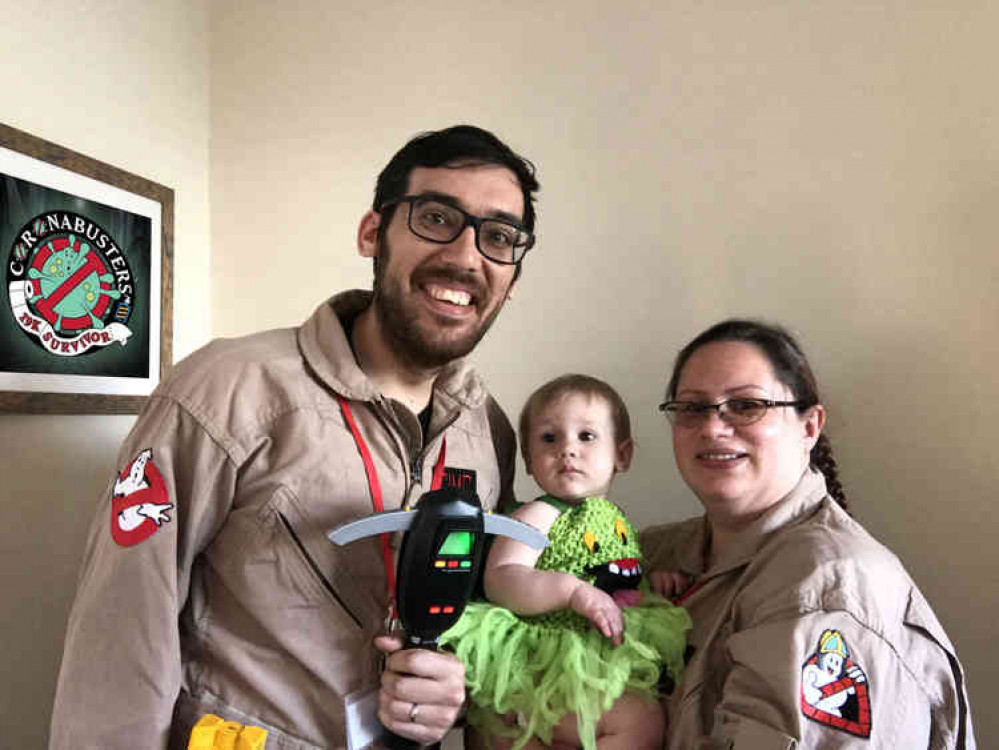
x=87 y=250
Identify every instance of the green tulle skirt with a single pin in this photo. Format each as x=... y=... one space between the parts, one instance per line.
x=542 y=668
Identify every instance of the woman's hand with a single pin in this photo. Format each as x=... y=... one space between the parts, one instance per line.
x=422 y=691
x=600 y=609
x=669 y=583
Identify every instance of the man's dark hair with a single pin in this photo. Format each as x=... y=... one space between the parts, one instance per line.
x=457 y=146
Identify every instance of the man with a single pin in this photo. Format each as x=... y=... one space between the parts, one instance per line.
x=216 y=590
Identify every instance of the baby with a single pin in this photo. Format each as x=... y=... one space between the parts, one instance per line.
x=571 y=648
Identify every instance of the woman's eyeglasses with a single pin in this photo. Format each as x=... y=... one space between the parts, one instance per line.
x=737 y=412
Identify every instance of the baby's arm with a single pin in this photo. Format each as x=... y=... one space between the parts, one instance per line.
x=512 y=581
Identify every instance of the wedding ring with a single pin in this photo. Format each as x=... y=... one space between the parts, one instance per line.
x=414 y=712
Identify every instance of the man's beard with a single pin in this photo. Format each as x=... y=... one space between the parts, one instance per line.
x=424 y=344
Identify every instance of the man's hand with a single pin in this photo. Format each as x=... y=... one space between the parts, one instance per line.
x=600 y=609
x=431 y=681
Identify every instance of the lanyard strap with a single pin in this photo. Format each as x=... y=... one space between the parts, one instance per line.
x=376 y=490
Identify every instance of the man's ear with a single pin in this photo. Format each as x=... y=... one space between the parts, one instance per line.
x=625 y=451
x=367 y=234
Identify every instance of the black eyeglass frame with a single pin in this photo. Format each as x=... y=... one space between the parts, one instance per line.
x=702 y=410
x=469 y=220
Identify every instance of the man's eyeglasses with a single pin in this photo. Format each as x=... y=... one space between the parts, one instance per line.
x=435 y=221
x=737 y=412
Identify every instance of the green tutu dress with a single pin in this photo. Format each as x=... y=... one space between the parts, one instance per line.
x=546 y=666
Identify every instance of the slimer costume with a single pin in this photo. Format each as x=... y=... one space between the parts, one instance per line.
x=546 y=666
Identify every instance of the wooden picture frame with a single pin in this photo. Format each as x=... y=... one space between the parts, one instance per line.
x=86 y=322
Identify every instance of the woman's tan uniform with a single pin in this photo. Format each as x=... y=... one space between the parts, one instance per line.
x=808 y=633
x=233 y=601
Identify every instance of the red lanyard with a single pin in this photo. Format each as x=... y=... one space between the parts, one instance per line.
x=680 y=599
x=376 y=490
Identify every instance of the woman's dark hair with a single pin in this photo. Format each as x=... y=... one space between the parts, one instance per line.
x=791 y=368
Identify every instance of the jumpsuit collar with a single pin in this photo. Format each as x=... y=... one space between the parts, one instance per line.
x=324 y=345
x=798 y=504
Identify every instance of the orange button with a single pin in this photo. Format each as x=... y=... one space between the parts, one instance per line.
x=448 y=610
x=435 y=610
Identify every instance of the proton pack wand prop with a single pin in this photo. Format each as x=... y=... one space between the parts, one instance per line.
x=440 y=556
x=439 y=561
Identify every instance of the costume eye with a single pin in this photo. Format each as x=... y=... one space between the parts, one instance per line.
x=590 y=540
x=621 y=530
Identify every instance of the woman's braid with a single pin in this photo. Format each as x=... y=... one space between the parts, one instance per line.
x=822 y=459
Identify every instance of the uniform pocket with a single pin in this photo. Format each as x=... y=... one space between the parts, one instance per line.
x=351 y=578
x=310 y=579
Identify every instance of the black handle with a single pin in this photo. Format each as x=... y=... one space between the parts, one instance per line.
x=395 y=742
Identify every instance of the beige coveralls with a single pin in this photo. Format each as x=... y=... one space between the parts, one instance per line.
x=809 y=634
x=221 y=593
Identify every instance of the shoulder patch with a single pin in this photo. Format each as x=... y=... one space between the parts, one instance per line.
x=834 y=688
x=139 y=501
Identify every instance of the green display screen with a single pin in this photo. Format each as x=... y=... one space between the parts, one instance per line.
x=457 y=543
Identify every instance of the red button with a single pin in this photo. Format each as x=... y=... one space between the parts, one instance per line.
x=435 y=610
x=448 y=610
x=452 y=563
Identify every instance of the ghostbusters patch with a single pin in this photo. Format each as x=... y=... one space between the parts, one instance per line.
x=834 y=688
x=139 y=501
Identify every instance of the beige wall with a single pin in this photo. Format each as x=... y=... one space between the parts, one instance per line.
x=126 y=83
x=833 y=167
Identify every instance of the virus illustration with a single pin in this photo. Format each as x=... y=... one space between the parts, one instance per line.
x=70 y=284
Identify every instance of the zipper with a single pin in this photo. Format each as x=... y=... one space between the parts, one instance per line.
x=416 y=470
x=416 y=462
x=315 y=569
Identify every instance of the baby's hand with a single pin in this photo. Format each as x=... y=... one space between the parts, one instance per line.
x=669 y=583
x=600 y=609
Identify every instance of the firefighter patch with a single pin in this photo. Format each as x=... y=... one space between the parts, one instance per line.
x=139 y=502
x=834 y=689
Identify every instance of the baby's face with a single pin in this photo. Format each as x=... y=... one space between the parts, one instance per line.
x=572 y=451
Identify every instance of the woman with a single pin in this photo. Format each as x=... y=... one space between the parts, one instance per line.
x=807 y=632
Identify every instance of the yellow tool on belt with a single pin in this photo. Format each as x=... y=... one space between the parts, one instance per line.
x=215 y=733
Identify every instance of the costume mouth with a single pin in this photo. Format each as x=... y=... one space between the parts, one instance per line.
x=616 y=575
